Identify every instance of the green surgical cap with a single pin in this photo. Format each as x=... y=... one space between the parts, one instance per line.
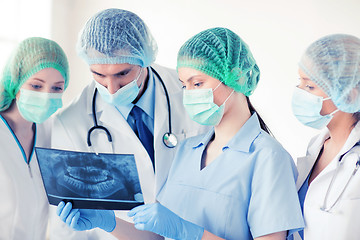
x=116 y=36
x=223 y=55
x=29 y=57
x=333 y=63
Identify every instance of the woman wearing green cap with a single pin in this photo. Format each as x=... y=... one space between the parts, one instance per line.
x=31 y=87
x=234 y=182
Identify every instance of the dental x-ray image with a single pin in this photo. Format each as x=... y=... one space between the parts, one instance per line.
x=89 y=180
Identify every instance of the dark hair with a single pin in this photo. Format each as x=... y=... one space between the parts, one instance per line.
x=262 y=123
x=356 y=116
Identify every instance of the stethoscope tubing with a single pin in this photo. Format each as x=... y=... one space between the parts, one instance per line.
x=166 y=95
x=357 y=165
x=96 y=126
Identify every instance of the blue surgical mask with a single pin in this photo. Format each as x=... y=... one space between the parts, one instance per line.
x=38 y=106
x=307 y=107
x=123 y=96
x=199 y=104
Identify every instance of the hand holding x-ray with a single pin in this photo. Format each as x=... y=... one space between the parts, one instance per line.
x=86 y=219
x=158 y=219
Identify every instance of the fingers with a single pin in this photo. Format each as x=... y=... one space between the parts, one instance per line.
x=65 y=211
x=69 y=218
x=60 y=207
x=74 y=221
x=140 y=226
x=144 y=216
x=138 y=209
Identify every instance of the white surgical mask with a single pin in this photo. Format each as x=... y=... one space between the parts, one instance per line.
x=123 y=96
x=307 y=107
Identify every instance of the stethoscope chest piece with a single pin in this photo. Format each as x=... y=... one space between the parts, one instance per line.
x=170 y=140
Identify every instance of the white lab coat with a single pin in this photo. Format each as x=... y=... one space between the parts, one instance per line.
x=24 y=206
x=344 y=219
x=72 y=124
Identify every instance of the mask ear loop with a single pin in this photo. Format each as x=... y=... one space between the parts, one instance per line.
x=141 y=69
x=229 y=96
x=217 y=87
x=330 y=114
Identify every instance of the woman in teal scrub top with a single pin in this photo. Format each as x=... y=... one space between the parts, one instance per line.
x=236 y=181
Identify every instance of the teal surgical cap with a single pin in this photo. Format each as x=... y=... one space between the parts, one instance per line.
x=116 y=36
x=29 y=57
x=333 y=64
x=223 y=55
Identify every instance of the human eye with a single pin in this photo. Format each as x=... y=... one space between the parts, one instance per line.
x=36 y=86
x=57 y=88
x=98 y=75
x=198 y=84
x=309 y=87
x=123 y=73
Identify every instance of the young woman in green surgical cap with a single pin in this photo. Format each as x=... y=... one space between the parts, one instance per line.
x=31 y=87
x=235 y=181
x=328 y=98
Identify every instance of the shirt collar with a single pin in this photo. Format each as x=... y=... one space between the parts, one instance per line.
x=205 y=140
x=146 y=102
x=242 y=140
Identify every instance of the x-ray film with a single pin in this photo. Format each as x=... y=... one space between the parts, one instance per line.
x=90 y=181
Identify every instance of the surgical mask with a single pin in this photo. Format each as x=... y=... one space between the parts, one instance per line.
x=199 y=104
x=38 y=106
x=307 y=107
x=123 y=96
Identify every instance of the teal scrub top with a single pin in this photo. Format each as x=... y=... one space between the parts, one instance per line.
x=246 y=192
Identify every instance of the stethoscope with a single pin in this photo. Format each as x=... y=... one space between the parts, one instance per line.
x=169 y=139
x=357 y=165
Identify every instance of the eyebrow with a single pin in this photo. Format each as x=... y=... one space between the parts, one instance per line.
x=38 y=79
x=96 y=72
x=191 y=78
x=43 y=81
x=305 y=78
x=118 y=73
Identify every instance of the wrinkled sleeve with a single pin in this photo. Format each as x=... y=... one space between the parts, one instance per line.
x=274 y=204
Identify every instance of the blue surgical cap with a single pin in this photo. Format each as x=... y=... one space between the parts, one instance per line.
x=333 y=64
x=115 y=36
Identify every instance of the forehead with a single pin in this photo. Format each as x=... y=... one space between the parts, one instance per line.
x=106 y=69
x=48 y=75
x=186 y=74
x=303 y=75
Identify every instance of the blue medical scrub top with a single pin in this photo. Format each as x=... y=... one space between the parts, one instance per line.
x=302 y=194
x=246 y=192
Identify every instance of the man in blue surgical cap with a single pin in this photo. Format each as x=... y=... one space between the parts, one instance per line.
x=138 y=103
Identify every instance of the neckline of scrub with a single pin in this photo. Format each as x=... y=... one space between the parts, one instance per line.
x=27 y=161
